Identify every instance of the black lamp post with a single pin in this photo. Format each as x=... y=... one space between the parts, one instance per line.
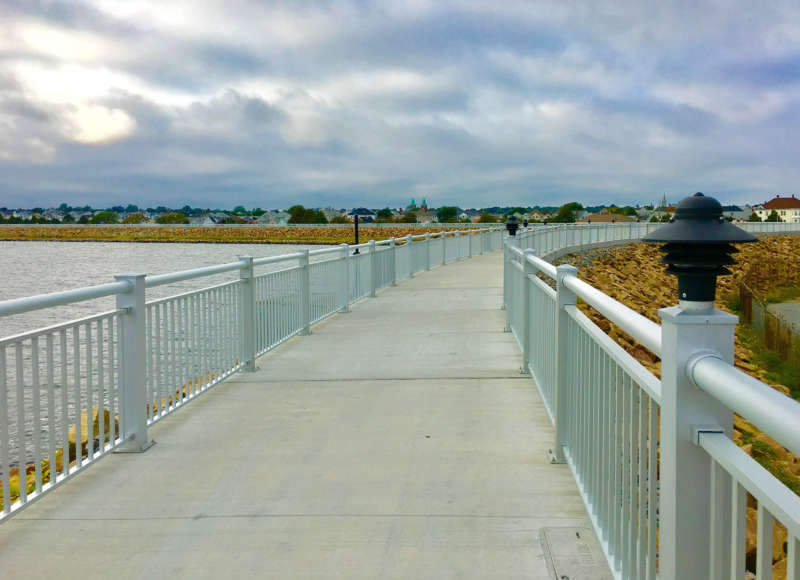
x=512 y=225
x=698 y=247
x=355 y=225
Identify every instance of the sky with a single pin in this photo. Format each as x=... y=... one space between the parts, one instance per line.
x=217 y=103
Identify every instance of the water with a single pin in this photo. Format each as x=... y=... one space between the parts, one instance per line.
x=41 y=267
x=31 y=268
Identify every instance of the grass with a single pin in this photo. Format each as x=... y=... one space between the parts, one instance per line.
x=786 y=294
x=208 y=234
x=777 y=370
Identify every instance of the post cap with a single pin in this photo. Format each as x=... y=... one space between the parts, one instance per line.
x=512 y=225
x=698 y=246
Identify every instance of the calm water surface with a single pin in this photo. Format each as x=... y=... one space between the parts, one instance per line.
x=30 y=268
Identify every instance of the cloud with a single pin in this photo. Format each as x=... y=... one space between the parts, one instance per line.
x=95 y=124
x=332 y=101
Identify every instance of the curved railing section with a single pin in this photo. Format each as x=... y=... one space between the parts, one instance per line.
x=73 y=392
x=663 y=482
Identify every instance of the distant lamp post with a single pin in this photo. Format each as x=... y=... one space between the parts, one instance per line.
x=355 y=226
x=697 y=247
x=512 y=225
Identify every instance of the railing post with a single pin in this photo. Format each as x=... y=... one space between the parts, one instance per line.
x=427 y=251
x=393 y=260
x=132 y=366
x=565 y=297
x=248 y=313
x=305 y=293
x=528 y=270
x=444 y=248
x=469 y=243
x=373 y=269
x=410 y=256
x=345 y=278
x=685 y=544
x=457 y=243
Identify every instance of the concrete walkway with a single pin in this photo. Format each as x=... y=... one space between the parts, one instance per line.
x=397 y=441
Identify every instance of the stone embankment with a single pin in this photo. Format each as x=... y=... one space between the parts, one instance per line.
x=633 y=275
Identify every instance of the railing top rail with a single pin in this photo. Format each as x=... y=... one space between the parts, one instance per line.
x=644 y=330
x=543 y=266
x=173 y=277
x=40 y=301
x=175 y=297
x=644 y=378
x=28 y=334
x=320 y=252
x=771 y=411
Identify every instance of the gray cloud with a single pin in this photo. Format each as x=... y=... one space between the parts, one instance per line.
x=371 y=103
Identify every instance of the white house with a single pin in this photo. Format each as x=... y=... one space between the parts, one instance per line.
x=788 y=209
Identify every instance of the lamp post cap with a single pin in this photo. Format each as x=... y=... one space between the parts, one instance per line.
x=698 y=220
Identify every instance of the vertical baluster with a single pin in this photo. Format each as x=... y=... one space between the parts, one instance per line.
x=216 y=335
x=633 y=402
x=641 y=546
x=224 y=343
x=231 y=356
x=259 y=315
x=273 y=294
x=37 y=416
x=5 y=461
x=210 y=339
x=184 y=320
x=607 y=438
x=194 y=360
x=101 y=387
x=21 y=439
x=202 y=366
x=719 y=542
x=221 y=333
x=652 y=493
x=604 y=435
x=592 y=454
x=87 y=329
x=616 y=473
x=227 y=336
x=172 y=358
x=196 y=368
x=150 y=395
x=157 y=357
x=235 y=330
x=51 y=408
x=113 y=377
x=793 y=558
x=766 y=524
x=76 y=384
x=63 y=367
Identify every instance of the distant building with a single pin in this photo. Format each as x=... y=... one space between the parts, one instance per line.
x=275 y=217
x=201 y=220
x=537 y=216
x=413 y=207
x=364 y=214
x=737 y=213
x=788 y=209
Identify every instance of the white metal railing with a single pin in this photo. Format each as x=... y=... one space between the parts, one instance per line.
x=664 y=485
x=72 y=392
